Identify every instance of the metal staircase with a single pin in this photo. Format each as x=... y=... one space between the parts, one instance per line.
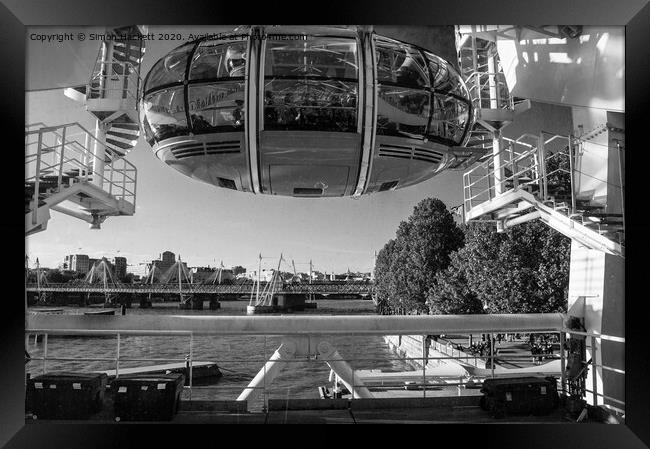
x=70 y=163
x=535 y=181
x=533 y=176
x=481 y=70
x=111 y=94
x=60 y=166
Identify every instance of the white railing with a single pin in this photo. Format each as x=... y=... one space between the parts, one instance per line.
x=488 y=90
x=543 y=165
x=53 y=151
x=264 y=334
x=112 y=79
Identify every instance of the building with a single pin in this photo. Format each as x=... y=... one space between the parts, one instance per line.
x=164 y=262
x=79 y=263
x=202 y=274
x=169 y=258
x=119 y=267
x=91 y=263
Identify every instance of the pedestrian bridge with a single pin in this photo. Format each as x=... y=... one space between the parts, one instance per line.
x=325 y=288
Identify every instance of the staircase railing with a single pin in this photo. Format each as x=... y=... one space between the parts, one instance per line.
x=544 y=167
x=481 y=83
x=112 y=79
x=63 y=154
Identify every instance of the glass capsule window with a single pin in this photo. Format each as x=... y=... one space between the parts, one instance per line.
x=322 y=57
x=445 y=77
x=449 y=119
x=402 y=112
x=311 y=84
x=310 y=105
x=165 y=113
x=404 y=97
x=148 y=132
x=170 y=69
x=217 y=107
x=420 y=95
x=400 y=65
x=216 y=60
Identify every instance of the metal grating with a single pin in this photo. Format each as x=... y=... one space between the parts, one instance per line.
x=202 y=149
x=410 y=152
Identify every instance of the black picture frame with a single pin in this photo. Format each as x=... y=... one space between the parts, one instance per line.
x=633 y=14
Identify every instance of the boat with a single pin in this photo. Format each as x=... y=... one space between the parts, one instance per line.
x=202 y=372
x=101 y=312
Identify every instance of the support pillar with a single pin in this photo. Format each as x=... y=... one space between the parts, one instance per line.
x=214 y=303
x=99 y=153
x=343 y=370
x=269 y=372
x=497 y=160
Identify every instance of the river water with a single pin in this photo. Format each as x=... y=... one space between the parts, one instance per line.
x=239 y=357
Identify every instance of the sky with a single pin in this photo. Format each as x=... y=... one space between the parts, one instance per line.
x=206 y=224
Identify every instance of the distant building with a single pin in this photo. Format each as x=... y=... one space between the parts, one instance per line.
x=210 y=275
x=91 y=263
x=202 y=274
x=119 y=267
x=164 y=263
x=79 y=263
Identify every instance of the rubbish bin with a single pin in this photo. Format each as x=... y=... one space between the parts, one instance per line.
x=154 y=397
x=65 y=395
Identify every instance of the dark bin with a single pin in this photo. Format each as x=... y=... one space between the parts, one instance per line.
x=65 y=395
x=153 y=397
x=520 y=395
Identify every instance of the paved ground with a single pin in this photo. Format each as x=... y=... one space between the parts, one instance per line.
x=510 y=354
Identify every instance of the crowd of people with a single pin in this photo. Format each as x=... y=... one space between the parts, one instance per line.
x=307 y=112
x=541 y=346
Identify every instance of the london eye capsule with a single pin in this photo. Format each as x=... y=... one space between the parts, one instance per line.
x=305 y=111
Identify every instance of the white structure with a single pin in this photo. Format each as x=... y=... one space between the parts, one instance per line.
x=561 y=161
x=86 y=167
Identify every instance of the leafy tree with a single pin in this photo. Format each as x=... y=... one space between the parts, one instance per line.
x=406 y=267
x=451 y=294
x=238 y=270
x=522 y=270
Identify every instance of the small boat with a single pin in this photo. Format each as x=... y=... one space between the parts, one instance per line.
x=47 y=310
x=250 y=310
x=202 y=372
x=101 y=312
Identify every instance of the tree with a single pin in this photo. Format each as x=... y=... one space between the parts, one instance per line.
x=451 y=294
x=522 y=270
x=238 y=270
x=406 y=267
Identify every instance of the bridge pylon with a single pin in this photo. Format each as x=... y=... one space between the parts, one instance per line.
x=101 y=273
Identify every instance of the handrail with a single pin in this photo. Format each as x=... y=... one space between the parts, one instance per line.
x=331 y=326
x=52 y=152
x=130 y=77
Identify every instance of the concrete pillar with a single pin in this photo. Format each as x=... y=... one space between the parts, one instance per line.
x=269 y=371
x=343 y=370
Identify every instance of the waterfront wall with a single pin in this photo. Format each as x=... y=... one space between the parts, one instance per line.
x=410 y=346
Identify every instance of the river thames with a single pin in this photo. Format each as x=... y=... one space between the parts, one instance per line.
x=239 y=358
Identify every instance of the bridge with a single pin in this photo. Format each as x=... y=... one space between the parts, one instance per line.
x=323 y=288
